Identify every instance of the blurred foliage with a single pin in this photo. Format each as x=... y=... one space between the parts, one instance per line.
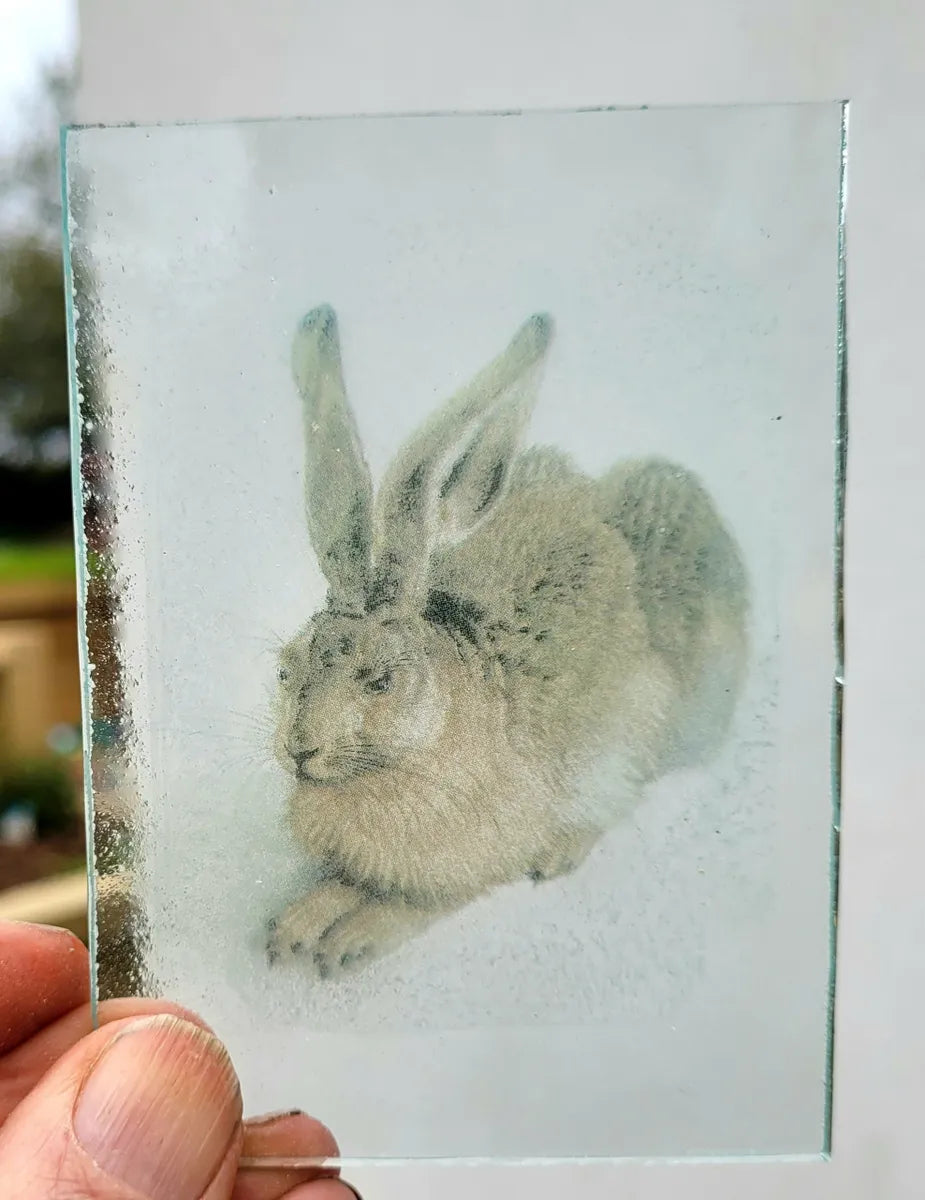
x=35 y=496
x=46 y=787
x=30 y=177
x=33 y=346
x=34 y=503
x=52 y=560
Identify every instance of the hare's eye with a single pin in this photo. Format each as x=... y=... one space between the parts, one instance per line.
x=282 y=674
x=382 y=683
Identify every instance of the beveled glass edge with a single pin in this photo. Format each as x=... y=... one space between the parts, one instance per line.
x=77 y=504
x=417 y=114
x=270 y=1163
x=838 y=683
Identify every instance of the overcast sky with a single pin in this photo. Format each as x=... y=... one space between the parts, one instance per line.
x=32 y=33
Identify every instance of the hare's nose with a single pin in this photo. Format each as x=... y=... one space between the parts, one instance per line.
x=300 y=757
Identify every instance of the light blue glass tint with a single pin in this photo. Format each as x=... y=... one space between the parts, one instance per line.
x=460 y=507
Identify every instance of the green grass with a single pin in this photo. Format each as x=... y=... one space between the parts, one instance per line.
x=41 y=560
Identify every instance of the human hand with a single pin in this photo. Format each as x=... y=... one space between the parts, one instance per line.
x=146 y=1107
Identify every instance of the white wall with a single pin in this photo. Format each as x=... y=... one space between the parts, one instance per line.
x=279 y=57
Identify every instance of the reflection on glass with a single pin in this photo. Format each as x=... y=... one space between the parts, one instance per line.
x=458 y=549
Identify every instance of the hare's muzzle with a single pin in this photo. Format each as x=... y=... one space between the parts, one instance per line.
x=301 y=758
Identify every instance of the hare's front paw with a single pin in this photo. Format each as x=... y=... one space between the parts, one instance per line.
x=347 y=946
x=562 y=853
x=298 y=929
x=364 y=934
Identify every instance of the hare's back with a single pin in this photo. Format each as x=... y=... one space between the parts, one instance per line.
x=551 y=584
x=690 y=579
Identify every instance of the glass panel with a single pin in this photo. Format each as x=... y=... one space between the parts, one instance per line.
x=458 y=508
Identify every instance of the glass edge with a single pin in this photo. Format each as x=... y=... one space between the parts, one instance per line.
x=838 y=687
x=416 y=114
x=86 y=699
x=67 y=130
x=262 y=1163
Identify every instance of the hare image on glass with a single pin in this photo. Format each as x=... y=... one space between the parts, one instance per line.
x=509 y=653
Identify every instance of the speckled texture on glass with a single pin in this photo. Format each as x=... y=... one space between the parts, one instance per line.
x=460 y=508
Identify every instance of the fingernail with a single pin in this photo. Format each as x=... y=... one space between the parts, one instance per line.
x=284 y=1114
x=34 y=927
x=325 y=1189
x=159 y=1107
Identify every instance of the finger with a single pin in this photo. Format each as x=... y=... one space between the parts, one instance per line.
x=145 y=1109
x=22 y=1068
x=324 y=1189
x=283 y=1135
x=119 y=1010
x=44 y=973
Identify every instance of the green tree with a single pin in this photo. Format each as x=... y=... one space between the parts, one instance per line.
x=33 y=352
x=34 y=470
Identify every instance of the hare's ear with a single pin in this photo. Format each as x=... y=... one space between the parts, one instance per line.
x=453 y=472
x=338 y=488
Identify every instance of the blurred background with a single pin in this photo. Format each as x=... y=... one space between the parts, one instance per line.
x=42 y=840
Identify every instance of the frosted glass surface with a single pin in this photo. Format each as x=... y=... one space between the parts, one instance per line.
x=459 y=538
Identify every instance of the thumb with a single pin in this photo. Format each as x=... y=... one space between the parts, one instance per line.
x=146 y=1109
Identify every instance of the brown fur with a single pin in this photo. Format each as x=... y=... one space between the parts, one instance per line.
x=502 y=630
